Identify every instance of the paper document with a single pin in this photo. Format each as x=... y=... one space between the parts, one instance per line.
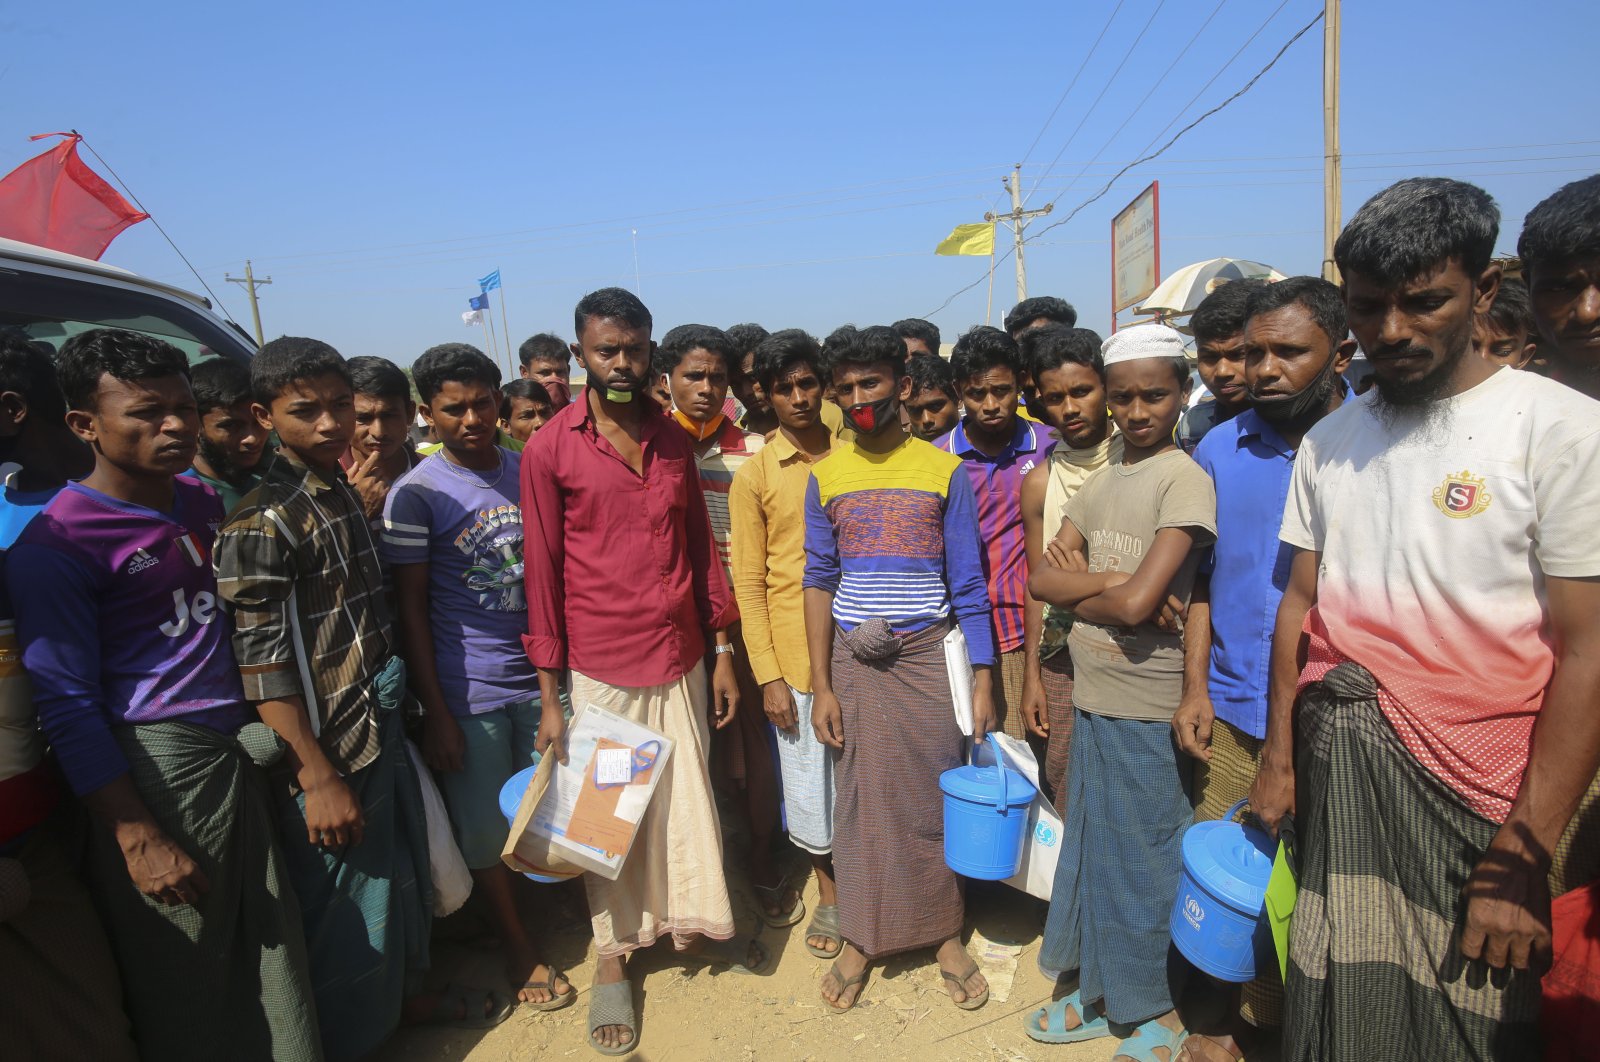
x=587 y=813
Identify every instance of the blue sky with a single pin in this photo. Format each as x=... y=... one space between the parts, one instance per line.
x=784 y=163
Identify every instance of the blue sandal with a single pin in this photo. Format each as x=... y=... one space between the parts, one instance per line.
x=1055 y=1029
x=1143 y=1043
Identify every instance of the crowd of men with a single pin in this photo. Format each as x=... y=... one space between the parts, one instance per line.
x=1360 y=593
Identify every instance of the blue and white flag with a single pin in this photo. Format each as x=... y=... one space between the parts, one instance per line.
x=479 y=302
x=490 y=282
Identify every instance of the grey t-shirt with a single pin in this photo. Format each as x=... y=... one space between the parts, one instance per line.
x=1137 y=672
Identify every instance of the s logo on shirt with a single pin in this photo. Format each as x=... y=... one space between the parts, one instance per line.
x=202 y=611
x=1461 y=495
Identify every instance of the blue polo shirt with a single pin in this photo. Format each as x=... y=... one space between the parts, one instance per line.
x=1251 y=466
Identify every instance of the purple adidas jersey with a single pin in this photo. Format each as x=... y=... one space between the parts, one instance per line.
x=119 y=622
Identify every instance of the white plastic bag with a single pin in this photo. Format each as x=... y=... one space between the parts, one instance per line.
x=1042 y=849
x=452 y=881
x=958 y=665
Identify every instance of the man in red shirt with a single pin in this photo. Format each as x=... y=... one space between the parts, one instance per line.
x=623 y=584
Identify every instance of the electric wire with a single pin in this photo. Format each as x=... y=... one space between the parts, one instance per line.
x=215 y=301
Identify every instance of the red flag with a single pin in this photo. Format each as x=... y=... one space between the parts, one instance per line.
x=54 y=200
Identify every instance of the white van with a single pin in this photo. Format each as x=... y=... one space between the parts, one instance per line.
x=54 y=296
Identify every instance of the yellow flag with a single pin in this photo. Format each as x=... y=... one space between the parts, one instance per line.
x=969 y=239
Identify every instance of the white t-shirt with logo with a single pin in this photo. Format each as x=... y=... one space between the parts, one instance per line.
x=1436 y=540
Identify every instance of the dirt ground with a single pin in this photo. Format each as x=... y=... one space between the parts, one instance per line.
x=691 y=1012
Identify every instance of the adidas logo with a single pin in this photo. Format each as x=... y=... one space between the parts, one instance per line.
x=140 y=561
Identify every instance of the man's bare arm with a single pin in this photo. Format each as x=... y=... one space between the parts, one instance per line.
x=1272 y=795
x=1508 y=899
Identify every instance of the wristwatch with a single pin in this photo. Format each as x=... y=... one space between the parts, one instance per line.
x=724 y=648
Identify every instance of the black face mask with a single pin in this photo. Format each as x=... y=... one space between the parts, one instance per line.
x=1302 y=407
x=870 y=418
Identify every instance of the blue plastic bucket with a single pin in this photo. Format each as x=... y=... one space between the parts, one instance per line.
x=511 y=800
x=1216 y=919
x=985 y=819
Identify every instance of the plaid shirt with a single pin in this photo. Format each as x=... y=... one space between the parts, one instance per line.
x=298 y=563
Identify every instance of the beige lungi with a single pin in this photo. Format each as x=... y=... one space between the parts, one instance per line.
x=672 y=882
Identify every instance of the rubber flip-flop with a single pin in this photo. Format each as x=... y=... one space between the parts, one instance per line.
x=825 y=923
x=557 y=1000
x=612 y=1005
x=1055 y=1029
x=783 y=919
x=845 y=985
x=1143 y=1043
x=960 y=981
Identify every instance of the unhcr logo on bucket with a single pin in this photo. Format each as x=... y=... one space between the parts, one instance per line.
x=1044 y=835
x=1193 y=913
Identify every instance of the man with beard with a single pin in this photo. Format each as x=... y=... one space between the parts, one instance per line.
x=1294 y=346
x=1560 y=250
x=625 y=588
x=231 y=441
x=1442 y=729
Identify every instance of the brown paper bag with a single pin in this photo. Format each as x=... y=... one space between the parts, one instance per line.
x=527 y=852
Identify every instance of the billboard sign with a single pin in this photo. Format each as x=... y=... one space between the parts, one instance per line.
x=1136 y=249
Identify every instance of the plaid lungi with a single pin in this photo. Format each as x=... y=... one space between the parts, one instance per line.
x=900 y=735
x=368 y=908
x=1384 y=850
x=1117 y=875
x=1219 y=784
x=225 y=977
x=1055 y=671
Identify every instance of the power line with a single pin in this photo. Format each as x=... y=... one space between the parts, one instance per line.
x=1210 y=82
x=1179 y=134
x=969 y=287
x=156 y=223
x=1096 y=101
x=1161 y=150
x=1134 y=113
x=1068 y=90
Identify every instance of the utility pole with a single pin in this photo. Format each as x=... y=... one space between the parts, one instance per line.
x=1332 y=164
x=1017 y=219
x=250 y=282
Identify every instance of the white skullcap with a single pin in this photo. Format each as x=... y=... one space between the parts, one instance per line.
x=1142 y=341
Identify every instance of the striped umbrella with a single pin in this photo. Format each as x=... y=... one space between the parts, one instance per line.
x=1185 y=289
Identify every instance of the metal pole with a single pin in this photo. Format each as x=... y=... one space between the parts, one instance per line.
x=1332 y=164
x=505 y=329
